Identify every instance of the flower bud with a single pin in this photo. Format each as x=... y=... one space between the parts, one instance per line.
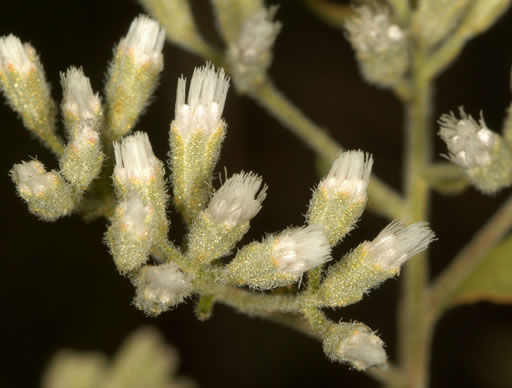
x=279 y=260
x=24 y=85
x=380 y=45
x=47 y=194
x=250 y=54
x=138 y=169
x=373 y=262
x=356 y=345
x=481 y=153
x=83 y=157
x=196 y=135
x=79 y=103
x=161 y=287
x=226 y=219
x=131 y=233
x=133 y=74
x=340 y=198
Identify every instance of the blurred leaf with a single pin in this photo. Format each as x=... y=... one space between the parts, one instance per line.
x=491 y=281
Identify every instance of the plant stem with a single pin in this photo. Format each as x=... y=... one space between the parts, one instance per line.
x=385 y=201
x=468 y=259
x=414 y=333
x=402 y=10
x=252 y=303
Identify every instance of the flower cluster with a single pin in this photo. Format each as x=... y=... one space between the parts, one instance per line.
x=210 y=262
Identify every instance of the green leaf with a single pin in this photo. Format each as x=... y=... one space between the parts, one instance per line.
x=491 y=281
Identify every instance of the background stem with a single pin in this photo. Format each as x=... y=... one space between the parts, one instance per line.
x=414 y=336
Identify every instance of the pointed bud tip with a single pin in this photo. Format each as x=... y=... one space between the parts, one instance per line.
x=396 y=243
x=205 y=103
x=14 y=54
x=298 y=250
x=135 y=159
x=350 y=173
x=78 y=97
x=238 y=200
x=145 y=40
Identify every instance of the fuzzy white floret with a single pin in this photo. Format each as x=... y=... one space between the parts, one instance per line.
x=135 y=216
x=14 y=53
x=145 y=39
x=301 y=249
x=86 y=134
x=470 y=143
x=238 y=200
x=371 y=28
x=165 y=283
x=206 y=97
x=257 y=36
x=363 y=350
x=31 y=177
x=134 y=158
x=78 y=95
x=350 y=173
x=396 y=243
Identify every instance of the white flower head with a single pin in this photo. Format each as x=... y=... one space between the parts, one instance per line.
x=15 y=55
x=470 y=143
x=135 y=160
x=135 y=216
x=257 y=35
x=78 y=97
x=32 y=178
x=203 y=108
x=372 y=29
x=145 y=40
x=350 y=173
x=396 y=243
x=238 y=200
x=161 y=287
x=363 y=350
x=298 y=250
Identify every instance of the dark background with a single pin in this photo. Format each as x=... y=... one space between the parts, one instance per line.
x=58 y=283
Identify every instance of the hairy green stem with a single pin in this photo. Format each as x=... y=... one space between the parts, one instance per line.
x=383 y=199
x=253 y=303
x=414 y=333
x=468 y=259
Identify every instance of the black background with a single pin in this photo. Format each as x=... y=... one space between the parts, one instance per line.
x=58 y=283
